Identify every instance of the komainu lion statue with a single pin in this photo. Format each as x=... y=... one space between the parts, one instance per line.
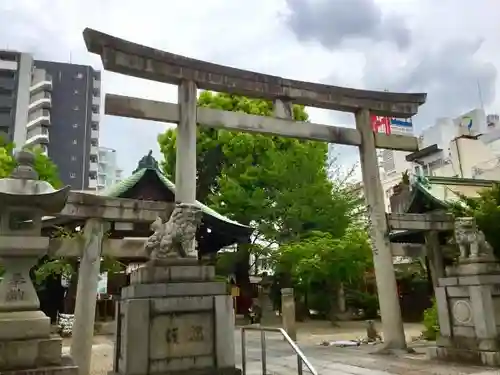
x=471 y=241
x=176 y=237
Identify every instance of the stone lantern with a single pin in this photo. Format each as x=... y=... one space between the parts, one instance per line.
x=24 y=329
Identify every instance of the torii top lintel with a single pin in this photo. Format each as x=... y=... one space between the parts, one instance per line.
x=121 y=56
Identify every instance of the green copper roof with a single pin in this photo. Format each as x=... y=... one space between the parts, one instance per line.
x=148 y=163
x=445 y=191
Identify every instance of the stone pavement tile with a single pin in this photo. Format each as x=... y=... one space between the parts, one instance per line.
x=408 y=365
x=334 y=368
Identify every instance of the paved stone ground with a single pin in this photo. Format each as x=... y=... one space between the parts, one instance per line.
x=326 y=360
x=346 y=361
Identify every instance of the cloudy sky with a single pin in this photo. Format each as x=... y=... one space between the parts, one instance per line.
x=446 y=48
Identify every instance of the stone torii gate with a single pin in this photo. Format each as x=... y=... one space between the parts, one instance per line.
x=136 y=60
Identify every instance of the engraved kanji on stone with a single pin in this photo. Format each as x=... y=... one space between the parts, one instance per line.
x=172 y=335
x=196 y=334
x=15 y=293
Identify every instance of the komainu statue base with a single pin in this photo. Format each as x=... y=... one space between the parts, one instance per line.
x=175 y=319
x=468 y=301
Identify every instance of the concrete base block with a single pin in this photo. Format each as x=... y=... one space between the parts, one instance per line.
x=67 y=367
x=175 y=320
x=468 y=269
x=174 y=289
x=475 y=357
x=22 y=325
x=20 y=354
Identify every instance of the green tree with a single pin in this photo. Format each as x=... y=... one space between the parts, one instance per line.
x=278 y=185
x=322 y=260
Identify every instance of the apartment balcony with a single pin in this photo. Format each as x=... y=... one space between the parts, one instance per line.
x=96 y=117
x=94 y=150
x=41 y=80
x=92 y=183
x=38 y=117
x=41 y=99
x=8 y=65
x=96 y=84
x=35 y=139
x=93 y=167
x=96 y=101
x=94 y=134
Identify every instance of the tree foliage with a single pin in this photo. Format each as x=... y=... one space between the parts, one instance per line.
x=278 y=185
x=320 y=257
x=320 y=262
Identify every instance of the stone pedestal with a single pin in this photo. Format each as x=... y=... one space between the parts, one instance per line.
x=175 y=319
x=468 y=301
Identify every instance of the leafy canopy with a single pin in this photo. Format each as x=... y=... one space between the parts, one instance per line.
x=279 y=184
x=324 y=259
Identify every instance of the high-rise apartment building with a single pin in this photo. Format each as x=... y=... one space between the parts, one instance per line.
x=70 y=125
x=15 y=82
x=108 y=171
x=55 y=106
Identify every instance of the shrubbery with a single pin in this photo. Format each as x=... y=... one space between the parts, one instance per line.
x=431 y=322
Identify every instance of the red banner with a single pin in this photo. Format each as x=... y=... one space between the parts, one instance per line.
x=381 y=122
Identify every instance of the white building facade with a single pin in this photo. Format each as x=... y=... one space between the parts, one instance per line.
x=108 y=171
x=467 y=146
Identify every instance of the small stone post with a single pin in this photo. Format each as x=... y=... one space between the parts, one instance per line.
x=390 y=311
x=268 y=314
x=288 y=312
x=341 y=301
x=25 y=340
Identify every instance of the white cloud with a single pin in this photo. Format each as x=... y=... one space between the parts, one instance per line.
x=256 y=35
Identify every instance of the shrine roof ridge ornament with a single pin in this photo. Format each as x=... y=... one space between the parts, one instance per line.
x=121 y=56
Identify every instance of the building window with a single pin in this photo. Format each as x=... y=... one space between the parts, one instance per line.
x=75 y=141
x=73 y=158
x=75 y=126
x=76 y=108
x=79 y=75
x=72 y=175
